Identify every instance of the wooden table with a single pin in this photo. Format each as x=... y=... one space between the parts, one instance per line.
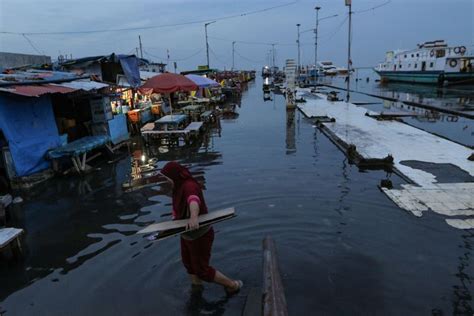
x=170 y=120
x=9 y=235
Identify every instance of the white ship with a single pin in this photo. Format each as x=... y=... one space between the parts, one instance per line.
x=431 y=63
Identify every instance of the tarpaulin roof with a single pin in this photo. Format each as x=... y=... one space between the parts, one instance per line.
x=128 y=63
x=169 y=82
x=202 y=82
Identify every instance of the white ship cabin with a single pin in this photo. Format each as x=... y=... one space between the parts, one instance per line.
x=327 y=67
x=430 y=56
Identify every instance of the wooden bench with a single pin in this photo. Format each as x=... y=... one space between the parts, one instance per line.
x=10 y=235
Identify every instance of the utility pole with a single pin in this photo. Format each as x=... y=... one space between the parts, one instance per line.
x=207 y=43
x=349 y=62
x=273 y=56
x=316 y=41
x=141 y=47
x=136 y=50
x=233 y=54
x=298 y=42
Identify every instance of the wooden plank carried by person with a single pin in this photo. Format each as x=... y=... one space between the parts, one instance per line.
x=179 y=226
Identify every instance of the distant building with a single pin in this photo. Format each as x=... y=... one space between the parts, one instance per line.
x=14 y=60
x=146 y=65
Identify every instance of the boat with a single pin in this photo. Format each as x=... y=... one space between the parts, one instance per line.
x=342 y=70
x=328 y=68
x=431 y=63
x=266 y=72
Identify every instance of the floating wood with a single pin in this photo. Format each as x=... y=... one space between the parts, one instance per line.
x=180 y=225
x=274 y=301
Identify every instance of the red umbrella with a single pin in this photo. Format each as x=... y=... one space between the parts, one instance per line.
x=169 y=82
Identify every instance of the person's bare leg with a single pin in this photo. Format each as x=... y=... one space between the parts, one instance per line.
x=223 y=280
x=195 y=280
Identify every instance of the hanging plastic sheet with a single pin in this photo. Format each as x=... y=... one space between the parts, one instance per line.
x=130 y=69
x=30 y=129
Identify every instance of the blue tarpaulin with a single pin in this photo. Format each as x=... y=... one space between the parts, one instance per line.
x=202 y=82
x=29 y=127
x=130 y=69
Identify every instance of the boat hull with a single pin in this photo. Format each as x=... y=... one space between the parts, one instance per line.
x=426 y=77
x=429 y=77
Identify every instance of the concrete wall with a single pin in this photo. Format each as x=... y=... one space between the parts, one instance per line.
x=12 y=60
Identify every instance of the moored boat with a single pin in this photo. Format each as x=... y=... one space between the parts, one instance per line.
x=431 y=63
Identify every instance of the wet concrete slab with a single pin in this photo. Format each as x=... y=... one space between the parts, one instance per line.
x=441 y=174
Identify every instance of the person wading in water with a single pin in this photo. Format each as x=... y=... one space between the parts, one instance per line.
x=196 y=244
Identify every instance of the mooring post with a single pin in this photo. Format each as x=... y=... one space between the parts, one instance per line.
x=274 y=301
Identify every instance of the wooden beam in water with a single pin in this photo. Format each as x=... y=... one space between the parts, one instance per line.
x=274 y=301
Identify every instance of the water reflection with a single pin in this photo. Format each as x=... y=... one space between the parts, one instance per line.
x=197 y=304
x=290 y=131
x=462 y=292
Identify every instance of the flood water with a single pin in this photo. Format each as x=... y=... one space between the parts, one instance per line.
x=343 y=247
x=459 y=98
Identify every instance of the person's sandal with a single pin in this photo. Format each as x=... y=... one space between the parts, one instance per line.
x=235 y=290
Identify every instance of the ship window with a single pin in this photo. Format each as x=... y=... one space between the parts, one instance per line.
x=405 y=56
x=416 y=65
x=431 y=65
x=440 y=53
x=409 y=65
x=417 y=55
x=400 y=66
x=412 y=55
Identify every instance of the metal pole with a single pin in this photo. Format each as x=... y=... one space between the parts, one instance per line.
x=316 y=41
x=298 y=42
x=207 y=46
x=273 y=56
x=233 y=51
x=207 y=43
x=141 y=48
x=349 y=62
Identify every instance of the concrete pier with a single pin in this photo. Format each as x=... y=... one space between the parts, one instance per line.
x=438 y=169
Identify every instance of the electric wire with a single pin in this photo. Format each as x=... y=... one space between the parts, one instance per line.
x=248 y=59
x=155 y=26
x=373 y=8
x=217 y=57
x=32 y=45
x=179 y=59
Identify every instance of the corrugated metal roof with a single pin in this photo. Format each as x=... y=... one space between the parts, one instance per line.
x=35 y=75
x=36 y=90
x=33 y=83
x=85 y=85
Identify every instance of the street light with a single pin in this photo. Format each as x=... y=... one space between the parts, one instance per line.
x=316 y=33
x=207 y=44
